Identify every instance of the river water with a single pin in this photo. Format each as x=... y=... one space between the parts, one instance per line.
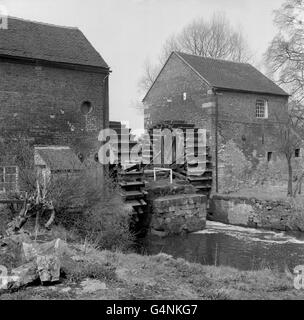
x=242 y=248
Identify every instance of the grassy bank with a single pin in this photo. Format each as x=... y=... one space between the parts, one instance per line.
x=131 y=276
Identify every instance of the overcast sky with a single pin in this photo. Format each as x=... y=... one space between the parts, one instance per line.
x=127 y=32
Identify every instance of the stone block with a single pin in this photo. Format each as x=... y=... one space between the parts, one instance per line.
x=48 y=268
x=23 y=275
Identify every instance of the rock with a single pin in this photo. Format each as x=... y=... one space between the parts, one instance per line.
x=28 y=251
x=159 y=233
x=67 y=289
x=92 y=285
x=15 y=240
x=56 y=247
x=48 y=268
x=23 y=275
x=20 y=237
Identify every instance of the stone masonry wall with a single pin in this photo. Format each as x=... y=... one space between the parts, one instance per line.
x=175 y=214
x=251 y=212
x=44 y=104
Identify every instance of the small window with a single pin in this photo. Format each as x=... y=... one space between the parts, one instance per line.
x=297 y=153
x=261 y=109
x=86 y=107
x=8 y=179
x=80 y=157
x=269 y=156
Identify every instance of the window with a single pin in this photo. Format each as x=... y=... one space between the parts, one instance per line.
x=269 y=156
x=86 y=107
x=8 y=179
x=80 y=157
x=297 y=153
x=261 y=109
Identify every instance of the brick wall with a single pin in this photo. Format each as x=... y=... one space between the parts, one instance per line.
x=237 y=119
x=44 y=103
x=175 y=79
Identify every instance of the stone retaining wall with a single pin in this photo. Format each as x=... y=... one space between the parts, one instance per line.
x=174 y=214
x=252 y=212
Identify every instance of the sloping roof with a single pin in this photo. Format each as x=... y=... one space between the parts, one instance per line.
x=59 y=158
x=224 y=74
x=35 y=40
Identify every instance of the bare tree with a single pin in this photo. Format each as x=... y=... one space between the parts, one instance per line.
x=150 y=73
x=290 y=140
x=285 y=55
x=215 y=38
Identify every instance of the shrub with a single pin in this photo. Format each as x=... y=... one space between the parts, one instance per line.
x=270 y=172
x=235 y=168
x=103 y=219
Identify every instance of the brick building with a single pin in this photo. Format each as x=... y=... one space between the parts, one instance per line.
x=233 y=99
x=53 y=87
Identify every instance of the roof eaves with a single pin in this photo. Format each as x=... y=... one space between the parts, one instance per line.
x=284 y=94
x=55 y=63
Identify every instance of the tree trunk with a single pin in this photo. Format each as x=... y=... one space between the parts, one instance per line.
x=289 y=189
x=298 y=188
x=19 y=221
x=51 y=220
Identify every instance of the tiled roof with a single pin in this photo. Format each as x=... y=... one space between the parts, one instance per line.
x=35 y=40
x=59 y=158
x=231 y=75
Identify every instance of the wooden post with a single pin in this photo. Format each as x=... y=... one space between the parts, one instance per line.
x=216 y=141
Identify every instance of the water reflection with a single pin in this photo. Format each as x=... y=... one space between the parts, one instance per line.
x=243 y=248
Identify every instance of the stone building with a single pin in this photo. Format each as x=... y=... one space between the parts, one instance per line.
x=53 y=87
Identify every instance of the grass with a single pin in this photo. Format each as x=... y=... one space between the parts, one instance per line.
x=160 y=277
x=90 y=270
x=132 y=276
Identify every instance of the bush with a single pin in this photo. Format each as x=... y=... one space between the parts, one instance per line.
x=101 y=216
x=270 y=172
x=103 y=219
x=235 y=168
